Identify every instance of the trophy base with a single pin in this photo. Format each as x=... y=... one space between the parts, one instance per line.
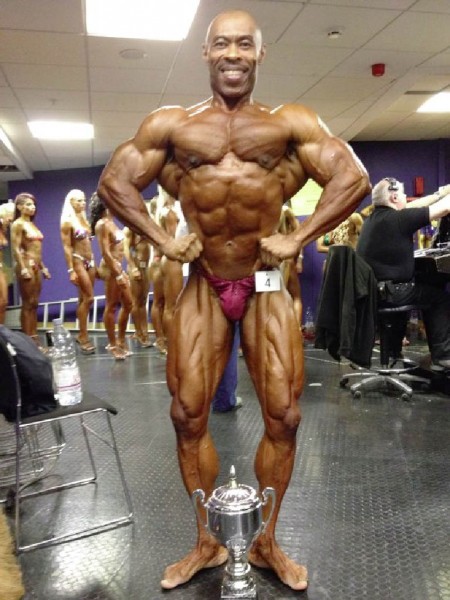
x=248 y=595
x=243 y=592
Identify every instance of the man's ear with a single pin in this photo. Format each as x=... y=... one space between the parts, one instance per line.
x=204 y=52
x=262 y=54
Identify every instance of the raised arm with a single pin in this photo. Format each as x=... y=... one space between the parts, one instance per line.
x=431 y=199
x=132 y=167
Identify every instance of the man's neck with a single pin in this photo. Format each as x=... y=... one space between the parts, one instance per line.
x=230 y=104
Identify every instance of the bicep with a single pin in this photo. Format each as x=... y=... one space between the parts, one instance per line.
x=130 y=165
x=140 y=160
x=328 y=157
x=66 y=235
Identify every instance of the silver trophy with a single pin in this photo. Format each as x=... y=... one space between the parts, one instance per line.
x=234 y=518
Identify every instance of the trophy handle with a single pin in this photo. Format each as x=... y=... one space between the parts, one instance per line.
x=195 y=495
x=267 y=493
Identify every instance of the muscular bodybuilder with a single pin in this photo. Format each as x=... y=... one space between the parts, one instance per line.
x=232 y=162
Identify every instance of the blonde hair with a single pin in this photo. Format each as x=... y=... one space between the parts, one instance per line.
x=7 y=209
x=68 y=212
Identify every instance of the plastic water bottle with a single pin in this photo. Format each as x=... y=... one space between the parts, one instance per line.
x=67 y=373
x=309 y=324
x=51 y=353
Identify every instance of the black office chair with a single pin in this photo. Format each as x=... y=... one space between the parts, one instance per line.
x=394 y=372
x=33 y=449
x=349 y=311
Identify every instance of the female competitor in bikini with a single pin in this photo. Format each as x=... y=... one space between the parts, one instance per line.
x=171 y=270
x=6 y=217
x=26 y=242
x=291 y=267
x=76 y=240
x=137 y=252
x=157 y=309
x=117 y=283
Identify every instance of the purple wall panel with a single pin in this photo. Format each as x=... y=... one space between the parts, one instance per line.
x=50 y=189
x=429 y=159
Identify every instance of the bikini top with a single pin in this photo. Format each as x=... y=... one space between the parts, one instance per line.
x=119 y=236
x=34 y=236
x=81 y=233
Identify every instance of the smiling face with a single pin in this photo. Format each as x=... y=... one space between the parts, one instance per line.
x=233 y=50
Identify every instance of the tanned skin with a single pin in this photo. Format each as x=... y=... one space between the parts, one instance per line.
x=232 y=163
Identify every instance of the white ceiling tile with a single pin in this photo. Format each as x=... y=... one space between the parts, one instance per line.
x=302 y=60
x=48 y=99
x=46 y=77
x=42 y=15
x=32 y=47
x=105 y=52
x=396 y=63
x=8 y=98
x=412 y=32
x=124 y=101
x=12 y=115
x=139 y=81
x=58 y=115
x=49 y=67
x=358 y=25
x=128 y=120
x=439 y=6
x=344 y=88
x=388 y=4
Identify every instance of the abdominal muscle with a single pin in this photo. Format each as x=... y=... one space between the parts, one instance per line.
x=231 y=206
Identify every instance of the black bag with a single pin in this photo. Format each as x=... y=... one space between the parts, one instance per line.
x=35 y=375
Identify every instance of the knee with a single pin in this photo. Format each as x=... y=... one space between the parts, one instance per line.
x=292 y=420
x=31 y=303
x=87 y=299
x=284 y=423
x=188 y=420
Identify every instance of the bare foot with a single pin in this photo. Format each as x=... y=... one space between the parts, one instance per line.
x=202 y=557
x=270 y=556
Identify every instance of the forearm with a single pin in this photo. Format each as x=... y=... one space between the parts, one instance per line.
x=69 y=259
x=338 y=200
x=440 y=209
x=431 y=199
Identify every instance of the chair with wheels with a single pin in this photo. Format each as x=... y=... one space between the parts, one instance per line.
x=393 y=372
x=41 y=452
x=349 y=311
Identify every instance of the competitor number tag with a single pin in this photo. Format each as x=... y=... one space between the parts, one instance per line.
x=268 y=281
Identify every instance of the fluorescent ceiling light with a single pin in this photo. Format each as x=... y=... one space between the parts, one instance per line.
x=61 y=130
x=439 y=103
x=142 y=19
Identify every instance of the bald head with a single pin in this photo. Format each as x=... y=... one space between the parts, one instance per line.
x=234 y=20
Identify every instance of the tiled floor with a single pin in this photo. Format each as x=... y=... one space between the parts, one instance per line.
x=367 y=509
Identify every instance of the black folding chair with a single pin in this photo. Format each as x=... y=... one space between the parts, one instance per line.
x=33 y=450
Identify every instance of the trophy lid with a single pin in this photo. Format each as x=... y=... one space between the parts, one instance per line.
x=234 y=496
